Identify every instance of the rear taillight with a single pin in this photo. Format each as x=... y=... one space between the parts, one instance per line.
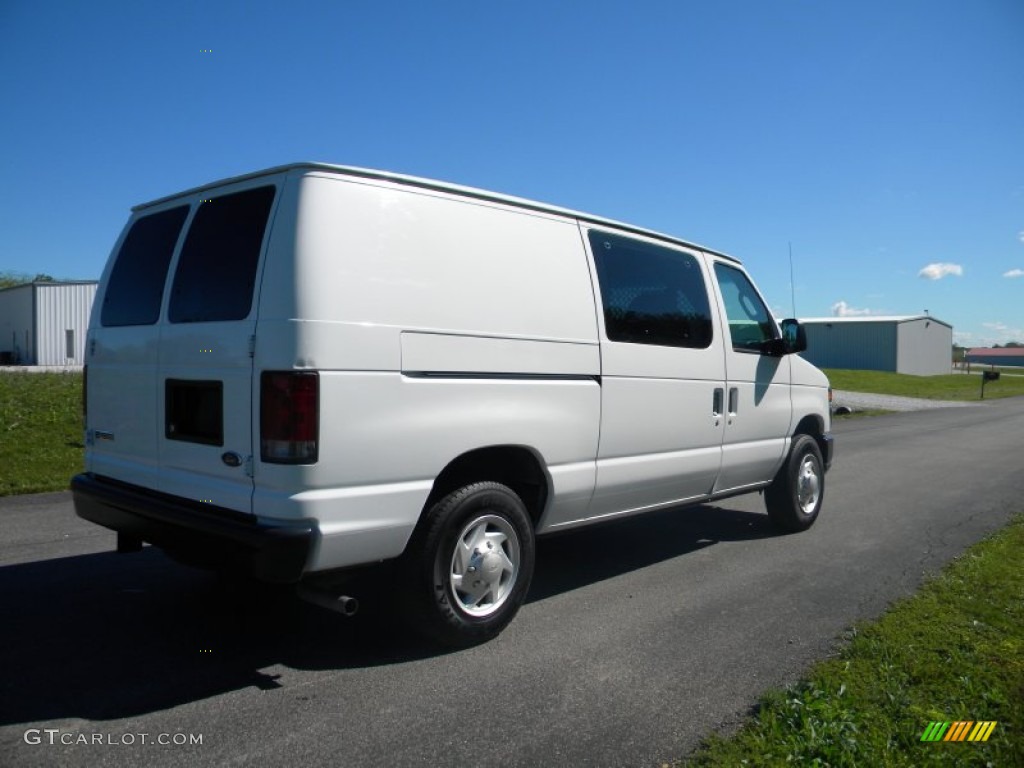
x=289 y=417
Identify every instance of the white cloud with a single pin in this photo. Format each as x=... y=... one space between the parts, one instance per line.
x=842 y=309
x=940 y=269
x=1020 y=235
x=1000 y=333
x=1014 y=273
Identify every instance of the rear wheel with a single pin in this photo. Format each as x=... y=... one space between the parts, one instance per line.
x=795 y=495
x=468 y=568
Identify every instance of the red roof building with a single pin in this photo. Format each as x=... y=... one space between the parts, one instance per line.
x=1000 y=356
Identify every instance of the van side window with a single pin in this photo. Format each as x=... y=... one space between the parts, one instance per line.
x=750 y=323
x=136 y=285
x=216 y=272
x=651 y=294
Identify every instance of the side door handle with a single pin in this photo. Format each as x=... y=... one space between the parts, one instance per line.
x=734 y=400
x=716 y=404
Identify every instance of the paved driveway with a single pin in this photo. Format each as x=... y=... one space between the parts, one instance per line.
x=638 y=638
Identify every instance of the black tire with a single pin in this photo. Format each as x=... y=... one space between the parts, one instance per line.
x=497 y=539
x=795 y=495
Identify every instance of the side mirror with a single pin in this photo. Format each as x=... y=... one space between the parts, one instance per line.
x=794 y=337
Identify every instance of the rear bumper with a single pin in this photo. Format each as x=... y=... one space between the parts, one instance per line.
x=275 y=553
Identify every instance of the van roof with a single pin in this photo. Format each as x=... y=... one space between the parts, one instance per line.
x=442 y=186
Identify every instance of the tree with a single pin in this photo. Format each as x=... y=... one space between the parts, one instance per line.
x=11 y=279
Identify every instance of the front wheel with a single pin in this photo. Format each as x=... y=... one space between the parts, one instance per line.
x=468 y=569
x=795 y=495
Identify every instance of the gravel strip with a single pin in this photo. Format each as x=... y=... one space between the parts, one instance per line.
x=40 y=369
x=859 y=401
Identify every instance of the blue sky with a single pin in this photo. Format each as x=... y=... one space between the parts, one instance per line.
x=884 y=140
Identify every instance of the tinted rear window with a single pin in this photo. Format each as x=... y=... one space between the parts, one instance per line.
x=216 y=273
x=136 y=283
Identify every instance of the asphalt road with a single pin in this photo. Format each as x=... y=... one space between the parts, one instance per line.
x=639 y=637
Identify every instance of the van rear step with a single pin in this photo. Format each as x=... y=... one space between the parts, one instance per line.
x=240 y=542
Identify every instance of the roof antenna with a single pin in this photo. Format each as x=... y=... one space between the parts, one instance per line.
x=792 y=284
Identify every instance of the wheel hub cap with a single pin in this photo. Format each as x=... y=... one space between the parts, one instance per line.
x=484 y=565
x=808 y=486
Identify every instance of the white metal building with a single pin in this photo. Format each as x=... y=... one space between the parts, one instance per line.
x=44 y=323
x=917 y=344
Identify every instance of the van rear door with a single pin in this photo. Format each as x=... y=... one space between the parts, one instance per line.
x=204 y=388
x=122 y=349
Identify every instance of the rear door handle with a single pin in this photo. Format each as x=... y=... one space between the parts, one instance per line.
x=734 y=400
x=716 y=403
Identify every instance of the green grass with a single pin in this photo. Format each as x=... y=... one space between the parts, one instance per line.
x=954 y=651
x=950 y=387
x=40 y=431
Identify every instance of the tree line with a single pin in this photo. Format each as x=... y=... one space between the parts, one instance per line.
x=12 y=279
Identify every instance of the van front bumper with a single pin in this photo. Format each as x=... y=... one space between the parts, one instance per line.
x=827 y=443
x=221 y=538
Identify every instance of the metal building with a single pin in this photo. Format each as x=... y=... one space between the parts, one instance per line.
x=917 y=344
x=1008 y=356
x=44 y=323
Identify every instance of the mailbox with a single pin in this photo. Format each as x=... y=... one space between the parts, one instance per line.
x=987 y=376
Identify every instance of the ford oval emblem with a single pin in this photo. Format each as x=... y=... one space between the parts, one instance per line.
x=231 y=458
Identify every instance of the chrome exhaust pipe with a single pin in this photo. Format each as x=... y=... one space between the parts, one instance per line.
x=343 y=604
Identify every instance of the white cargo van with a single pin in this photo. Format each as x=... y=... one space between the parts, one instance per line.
x=315 y=367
